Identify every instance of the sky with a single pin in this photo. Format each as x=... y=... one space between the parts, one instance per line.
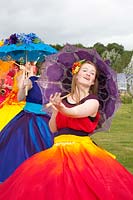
x=70 y=21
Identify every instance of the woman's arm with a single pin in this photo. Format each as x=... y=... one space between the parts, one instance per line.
x=23 y=84
x=88 y=108
x=52 y=121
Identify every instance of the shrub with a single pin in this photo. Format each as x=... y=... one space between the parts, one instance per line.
x=126 y=99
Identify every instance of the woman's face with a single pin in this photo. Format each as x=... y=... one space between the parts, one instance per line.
x=42 y=69
x=86 y=75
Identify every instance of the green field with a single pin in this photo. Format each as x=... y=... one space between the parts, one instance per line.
x=119 y=139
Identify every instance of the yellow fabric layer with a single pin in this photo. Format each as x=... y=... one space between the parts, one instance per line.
x=85 y=140
x=7 y=112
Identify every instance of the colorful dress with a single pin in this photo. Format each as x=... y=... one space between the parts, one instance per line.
x=74 y=168
x=9 y=105
x=7 y=76
x=8 y=111
x=26 y=134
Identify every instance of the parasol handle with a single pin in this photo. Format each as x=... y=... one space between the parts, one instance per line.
x=25 y=76
x=26 y=87
x=50 y=104
x=26 y=90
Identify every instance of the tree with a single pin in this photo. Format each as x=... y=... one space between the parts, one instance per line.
x=58 y=47
x=118 y=48
x=79 y=45
x=100 y=48
x=114 y=53
x=129 y=68
x=113 y=56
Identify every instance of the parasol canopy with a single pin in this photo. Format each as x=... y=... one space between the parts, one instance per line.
x=57 y=77
x=24 y=47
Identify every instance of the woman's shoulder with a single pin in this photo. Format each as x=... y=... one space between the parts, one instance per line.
x=90 y=96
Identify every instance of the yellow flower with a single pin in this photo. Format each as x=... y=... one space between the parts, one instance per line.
x=76 y=70
x=76 y=67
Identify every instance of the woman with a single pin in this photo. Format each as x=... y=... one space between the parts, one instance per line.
x=10 y=106
x=74 y=168
x=28 y=132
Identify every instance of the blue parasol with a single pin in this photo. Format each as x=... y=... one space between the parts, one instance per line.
x=25 y=47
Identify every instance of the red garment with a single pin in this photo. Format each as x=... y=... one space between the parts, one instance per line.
x=74 y=168
x=85 y=124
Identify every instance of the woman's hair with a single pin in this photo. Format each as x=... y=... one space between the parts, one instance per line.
x=41 y=67
x=93 y=88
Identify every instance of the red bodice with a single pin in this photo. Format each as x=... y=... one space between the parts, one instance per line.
x=83 y=124
x=86 y=124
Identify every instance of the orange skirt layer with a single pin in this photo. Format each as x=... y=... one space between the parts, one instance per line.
x=73 y=169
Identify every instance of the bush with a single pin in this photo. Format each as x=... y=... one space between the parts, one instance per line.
x=126 y=99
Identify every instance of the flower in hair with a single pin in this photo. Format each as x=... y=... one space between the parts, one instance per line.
x=76 y=66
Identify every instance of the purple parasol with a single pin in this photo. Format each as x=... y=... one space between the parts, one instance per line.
x=57 y=77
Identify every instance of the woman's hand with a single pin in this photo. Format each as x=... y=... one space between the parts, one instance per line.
x=27 y=83
x=23 y=83
x=56 y=101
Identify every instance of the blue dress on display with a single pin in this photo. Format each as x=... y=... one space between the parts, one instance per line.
x=26 y=134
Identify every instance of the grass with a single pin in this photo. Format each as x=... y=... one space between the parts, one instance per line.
x=119 y=139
